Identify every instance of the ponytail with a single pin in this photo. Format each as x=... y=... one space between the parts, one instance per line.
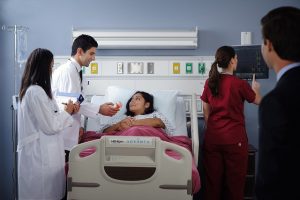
x=222 y=59
x=214 y=79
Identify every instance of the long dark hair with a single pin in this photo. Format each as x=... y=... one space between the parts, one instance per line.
x=223 y=57
x=281 y=27
x=37 y=71
x=148 y=99
x=85 y=42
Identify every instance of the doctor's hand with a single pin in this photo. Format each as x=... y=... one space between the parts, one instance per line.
x=69 y=107
x=108 y=109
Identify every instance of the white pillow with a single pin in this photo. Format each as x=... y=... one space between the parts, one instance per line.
x=114 y=94
x=164 y=100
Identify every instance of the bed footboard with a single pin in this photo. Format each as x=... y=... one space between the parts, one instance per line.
x=130 y=167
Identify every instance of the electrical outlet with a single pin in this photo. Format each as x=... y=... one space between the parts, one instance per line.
x=120 y=69
x=246 y=38
x=150 y=68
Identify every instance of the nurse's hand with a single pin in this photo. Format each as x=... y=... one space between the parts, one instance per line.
x=255 y=85
x=69 y=107
x=108 y=109
x=256 y=89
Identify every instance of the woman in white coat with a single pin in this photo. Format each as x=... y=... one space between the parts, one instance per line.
x=40 y=146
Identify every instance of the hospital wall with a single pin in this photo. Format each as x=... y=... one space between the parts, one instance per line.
x=50 y=26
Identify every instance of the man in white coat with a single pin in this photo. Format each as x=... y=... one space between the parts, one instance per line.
x=67 y=78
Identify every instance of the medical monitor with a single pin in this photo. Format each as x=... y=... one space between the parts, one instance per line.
x=250 y=61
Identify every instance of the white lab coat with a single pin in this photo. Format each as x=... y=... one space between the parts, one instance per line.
x=66 y=79
x=41 y=158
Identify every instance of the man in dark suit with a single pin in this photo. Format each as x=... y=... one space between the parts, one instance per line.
x=278 y=172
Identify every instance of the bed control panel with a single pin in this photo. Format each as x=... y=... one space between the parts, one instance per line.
x=130 y=141
x=129 y=149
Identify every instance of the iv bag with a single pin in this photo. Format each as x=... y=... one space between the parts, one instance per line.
x=21 y=46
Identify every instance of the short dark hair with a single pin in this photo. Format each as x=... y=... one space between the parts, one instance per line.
x=282 y=27
x=37 y=71
x=148 y=99
x=85 y=42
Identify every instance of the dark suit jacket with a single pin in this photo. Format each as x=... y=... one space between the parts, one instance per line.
x=278 y=174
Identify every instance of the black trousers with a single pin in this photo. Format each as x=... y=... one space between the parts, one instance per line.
x=66 y=161
x=67 y=156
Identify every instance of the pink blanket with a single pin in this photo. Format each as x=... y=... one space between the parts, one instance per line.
x=154 y=132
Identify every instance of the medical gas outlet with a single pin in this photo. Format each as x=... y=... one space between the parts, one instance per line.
x=201 y=68
x=176 y=68
x=189 y=68
x=94 y=68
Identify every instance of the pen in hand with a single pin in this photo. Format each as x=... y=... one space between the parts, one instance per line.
x=80 y=99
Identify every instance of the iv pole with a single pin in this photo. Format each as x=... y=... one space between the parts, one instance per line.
x=15 y=29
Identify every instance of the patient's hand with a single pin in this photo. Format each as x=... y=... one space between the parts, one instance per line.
x=108 y=109
x=120 y=126
x=125 y=123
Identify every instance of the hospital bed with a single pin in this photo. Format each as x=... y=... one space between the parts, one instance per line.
x=133 y=167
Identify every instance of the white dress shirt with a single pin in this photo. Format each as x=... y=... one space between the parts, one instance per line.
x=66 y=79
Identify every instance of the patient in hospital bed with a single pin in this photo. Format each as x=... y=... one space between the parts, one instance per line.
x=141 y=119
x=140 y=112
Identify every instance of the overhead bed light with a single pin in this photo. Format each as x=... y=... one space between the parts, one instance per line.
x=143 y=39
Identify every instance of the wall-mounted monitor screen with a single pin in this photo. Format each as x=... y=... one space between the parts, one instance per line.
x=250 y=61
